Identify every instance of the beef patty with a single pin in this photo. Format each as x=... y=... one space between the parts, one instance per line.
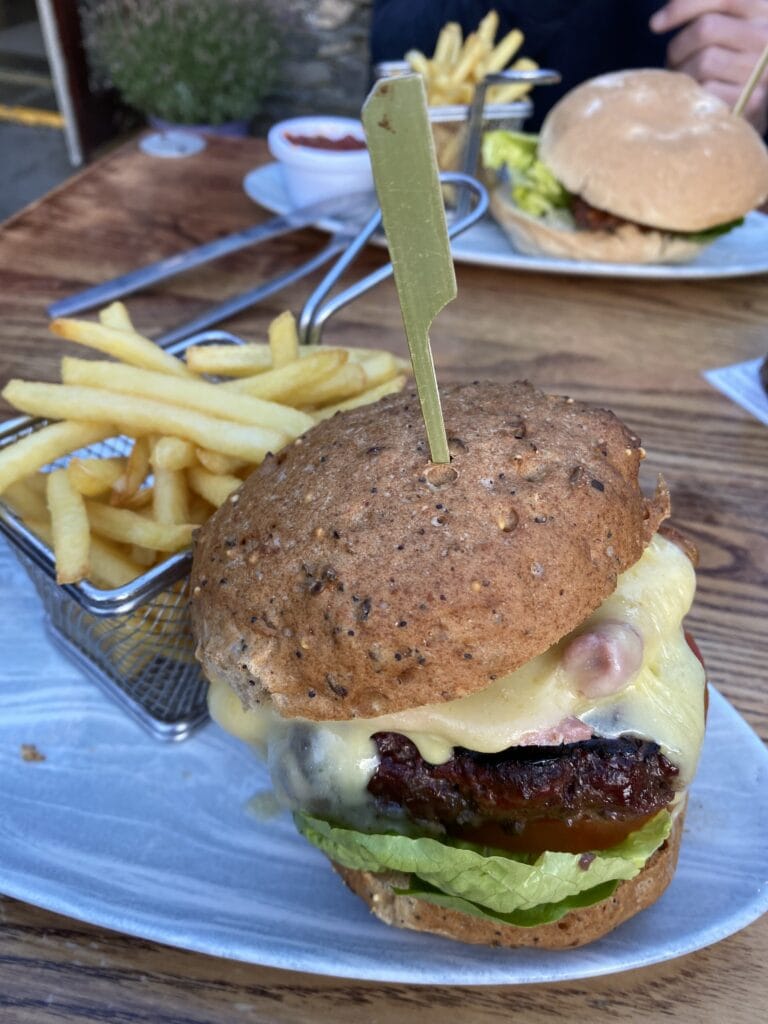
x=597 y=779
x=590 y=218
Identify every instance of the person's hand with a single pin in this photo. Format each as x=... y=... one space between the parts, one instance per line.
x=719 y=45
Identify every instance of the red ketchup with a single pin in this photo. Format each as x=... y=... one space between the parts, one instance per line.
x=344 y=144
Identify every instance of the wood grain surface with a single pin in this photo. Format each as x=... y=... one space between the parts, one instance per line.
x=638 y=347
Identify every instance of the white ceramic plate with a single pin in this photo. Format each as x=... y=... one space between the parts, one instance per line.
x=154 y=840
x=741 y=252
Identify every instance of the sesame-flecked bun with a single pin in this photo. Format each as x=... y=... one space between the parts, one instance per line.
x=350 y=577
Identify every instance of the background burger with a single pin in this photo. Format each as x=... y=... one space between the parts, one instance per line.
x=635 y=166
x=470 y=682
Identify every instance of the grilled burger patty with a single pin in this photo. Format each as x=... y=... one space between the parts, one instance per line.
x=590 y=218
x=596 y=779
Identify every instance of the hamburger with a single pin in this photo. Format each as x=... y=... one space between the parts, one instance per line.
x=470 y=681
x=635 y=166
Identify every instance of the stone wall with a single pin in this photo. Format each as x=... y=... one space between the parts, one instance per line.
x=326 y=64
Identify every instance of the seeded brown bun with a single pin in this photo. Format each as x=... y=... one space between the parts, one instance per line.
x=349 y=577
x=628 y=244
x=576 y=928
x=654 y=147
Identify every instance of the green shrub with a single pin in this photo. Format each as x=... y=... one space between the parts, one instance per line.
x=188 y=61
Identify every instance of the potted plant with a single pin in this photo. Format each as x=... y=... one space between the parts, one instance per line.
x=205 y=64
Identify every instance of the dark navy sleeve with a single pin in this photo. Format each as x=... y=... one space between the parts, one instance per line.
x=578 y=38
x=400 y=25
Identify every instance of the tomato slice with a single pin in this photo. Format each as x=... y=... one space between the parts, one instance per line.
x=556 y=835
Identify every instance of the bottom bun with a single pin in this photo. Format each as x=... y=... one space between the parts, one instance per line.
x=574 y=929
x=628 y=244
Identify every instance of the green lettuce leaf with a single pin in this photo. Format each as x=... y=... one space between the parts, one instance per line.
x=534 y=187
x=492 y=880
x=705 y=237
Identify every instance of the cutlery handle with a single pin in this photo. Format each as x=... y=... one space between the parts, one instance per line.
x=231 y=307
x=144 y=277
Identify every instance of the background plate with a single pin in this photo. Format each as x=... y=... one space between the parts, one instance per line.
x=125 y=832
x=740 y=253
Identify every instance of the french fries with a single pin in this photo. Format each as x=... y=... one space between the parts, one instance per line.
x=284 y=384
x=457 y=65
x=187 y=442
x=116 y=315
x=283 y=340
x=127 y=485
x=173 y=453
x=93 y=477
x=36 y=450
x=122 y=524
x=170 y=498
x=214 y=487
x=142 y=416
x=189 y=394
x=70 y=528
x=124 y=345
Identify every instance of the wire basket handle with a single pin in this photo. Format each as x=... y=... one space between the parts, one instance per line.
x=317 y=311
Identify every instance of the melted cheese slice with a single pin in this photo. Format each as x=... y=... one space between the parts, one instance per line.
x=321 y=766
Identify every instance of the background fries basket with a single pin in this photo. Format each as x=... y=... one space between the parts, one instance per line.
x=450 y=122
x=134 y=641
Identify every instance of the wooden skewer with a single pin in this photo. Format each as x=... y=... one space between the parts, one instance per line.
x=754 y=78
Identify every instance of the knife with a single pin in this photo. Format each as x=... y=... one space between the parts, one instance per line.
x=352 y=206
x=408 y=187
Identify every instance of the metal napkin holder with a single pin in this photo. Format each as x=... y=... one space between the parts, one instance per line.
x=136 y=641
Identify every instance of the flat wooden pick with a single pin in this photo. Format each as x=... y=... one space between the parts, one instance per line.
x=408 y=186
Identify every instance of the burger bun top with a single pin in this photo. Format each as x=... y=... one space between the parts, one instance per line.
x=653 y=146
x=350 y=577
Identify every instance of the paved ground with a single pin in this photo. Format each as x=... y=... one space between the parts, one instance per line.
x=32 y=160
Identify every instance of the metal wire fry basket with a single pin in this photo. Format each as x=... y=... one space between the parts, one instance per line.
x=135 y=642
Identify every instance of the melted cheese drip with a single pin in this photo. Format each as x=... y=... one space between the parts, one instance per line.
x=325 y=766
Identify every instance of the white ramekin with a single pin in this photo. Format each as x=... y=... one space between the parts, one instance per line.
x=311 y=174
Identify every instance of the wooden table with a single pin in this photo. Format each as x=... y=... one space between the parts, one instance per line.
x=636 y=346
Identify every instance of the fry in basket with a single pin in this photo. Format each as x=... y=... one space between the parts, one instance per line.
x=215 y=462
x=448 y=45
x=389 y=387
x=283 y=340
x=26 y=500
x=116 y=315
x=145 y=557
x=126 y=346
x=284 y=384
x=457 y=65
x=129 y=527
x=143 y=416
x=380 y=367
x=170 y=500
x=347 y=381
x=93 y=477
x=136 y=467
x=190 y=394
x=214 y=487
x=173 y=453
x=110 y=565
x=70 y=528
x=36 y=450
x=229 y=360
